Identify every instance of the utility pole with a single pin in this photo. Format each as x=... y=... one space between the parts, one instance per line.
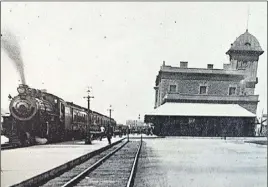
x=138 y=125
x=110 y=114
x=141 y=127
x=88 y=135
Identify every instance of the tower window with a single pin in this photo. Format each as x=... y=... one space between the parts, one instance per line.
x=203 y=90
x=247 y=44
x=232 y=90
x=245 y=64
x=172 y=88
x=242 y=65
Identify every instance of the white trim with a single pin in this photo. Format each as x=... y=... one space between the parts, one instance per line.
x=201 y=109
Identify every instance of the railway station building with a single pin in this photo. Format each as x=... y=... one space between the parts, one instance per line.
x=209 y=101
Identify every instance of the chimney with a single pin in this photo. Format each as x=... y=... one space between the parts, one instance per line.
x=183 y=64
x=210 y=66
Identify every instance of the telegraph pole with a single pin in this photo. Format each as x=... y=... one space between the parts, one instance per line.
x=140 y=127
x=110 y=114
x=88 y=135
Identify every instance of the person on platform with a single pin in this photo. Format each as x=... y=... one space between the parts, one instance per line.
x=120 y=132
x=109 y=134
x=102 y=132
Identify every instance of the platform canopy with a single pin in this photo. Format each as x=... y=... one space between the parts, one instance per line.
x=201 y=109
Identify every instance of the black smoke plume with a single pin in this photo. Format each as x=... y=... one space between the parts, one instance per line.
x=11 y=46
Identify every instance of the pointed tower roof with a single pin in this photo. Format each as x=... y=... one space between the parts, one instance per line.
x=246 y=42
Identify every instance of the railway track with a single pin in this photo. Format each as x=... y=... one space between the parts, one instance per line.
x=112 y=159
x=113 y=167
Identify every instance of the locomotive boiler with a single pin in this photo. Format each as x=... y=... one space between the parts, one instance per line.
x=39 y=117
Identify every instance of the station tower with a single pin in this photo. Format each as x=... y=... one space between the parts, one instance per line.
x=244 y=55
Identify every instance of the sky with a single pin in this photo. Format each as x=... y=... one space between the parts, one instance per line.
x=117 y=49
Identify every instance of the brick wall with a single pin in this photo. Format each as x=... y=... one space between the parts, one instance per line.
x=216 y=85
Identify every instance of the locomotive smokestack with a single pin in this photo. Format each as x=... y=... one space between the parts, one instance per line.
x=22 y=89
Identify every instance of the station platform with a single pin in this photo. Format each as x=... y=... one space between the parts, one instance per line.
x=21 y=164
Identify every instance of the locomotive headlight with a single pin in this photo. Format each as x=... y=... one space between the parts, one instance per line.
x=21 y=90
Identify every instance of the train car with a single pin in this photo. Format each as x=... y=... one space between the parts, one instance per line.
x=37 y=115
x=78 y=121
x=75 y=121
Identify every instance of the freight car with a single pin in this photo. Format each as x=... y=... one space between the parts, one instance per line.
x=37 y=115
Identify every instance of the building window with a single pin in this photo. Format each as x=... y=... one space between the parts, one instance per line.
x=172 y=88
x=203 y=90
x=210 y=66
x=232 y=90
x=244 y=64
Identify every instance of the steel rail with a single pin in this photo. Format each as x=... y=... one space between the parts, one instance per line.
x=134 y=167
x=77 y=178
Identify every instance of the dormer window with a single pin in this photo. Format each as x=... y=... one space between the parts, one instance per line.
x=247 y=44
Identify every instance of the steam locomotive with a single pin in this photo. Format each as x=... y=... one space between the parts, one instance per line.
x=37 y=116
